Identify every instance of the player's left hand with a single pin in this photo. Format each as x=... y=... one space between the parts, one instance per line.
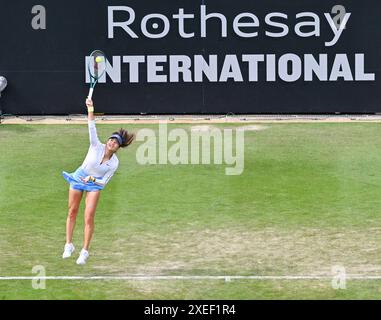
x=87 y=179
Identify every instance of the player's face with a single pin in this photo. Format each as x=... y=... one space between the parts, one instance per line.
x=112 y=144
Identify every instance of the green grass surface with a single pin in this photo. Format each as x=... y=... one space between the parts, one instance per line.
x=308 y=199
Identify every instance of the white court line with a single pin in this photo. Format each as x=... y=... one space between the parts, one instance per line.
x=226 y=278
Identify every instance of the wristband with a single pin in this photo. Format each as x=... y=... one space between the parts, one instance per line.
x=90 y=109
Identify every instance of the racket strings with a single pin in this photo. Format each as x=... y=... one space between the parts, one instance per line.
x=97 y=64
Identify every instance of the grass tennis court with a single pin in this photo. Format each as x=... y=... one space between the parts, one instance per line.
x=308 y=199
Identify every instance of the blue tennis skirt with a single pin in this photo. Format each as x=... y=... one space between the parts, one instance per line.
x=74 y=179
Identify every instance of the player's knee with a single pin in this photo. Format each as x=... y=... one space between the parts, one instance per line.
x=73 y=211
x=89 y=221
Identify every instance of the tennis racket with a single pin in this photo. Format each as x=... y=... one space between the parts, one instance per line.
x=97 y=67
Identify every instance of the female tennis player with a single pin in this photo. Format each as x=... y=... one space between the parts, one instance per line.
x=92 y=176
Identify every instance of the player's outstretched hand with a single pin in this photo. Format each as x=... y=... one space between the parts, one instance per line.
x=90 y=108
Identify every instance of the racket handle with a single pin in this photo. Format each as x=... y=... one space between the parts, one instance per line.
x=90 y=93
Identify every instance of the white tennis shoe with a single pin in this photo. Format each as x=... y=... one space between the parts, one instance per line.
x=83 y=257
x=68 y=250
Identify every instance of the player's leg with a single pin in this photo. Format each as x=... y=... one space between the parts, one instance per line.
x=75 y=197
x=91 y=206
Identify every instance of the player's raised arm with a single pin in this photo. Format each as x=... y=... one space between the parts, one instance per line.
x=94 y=141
